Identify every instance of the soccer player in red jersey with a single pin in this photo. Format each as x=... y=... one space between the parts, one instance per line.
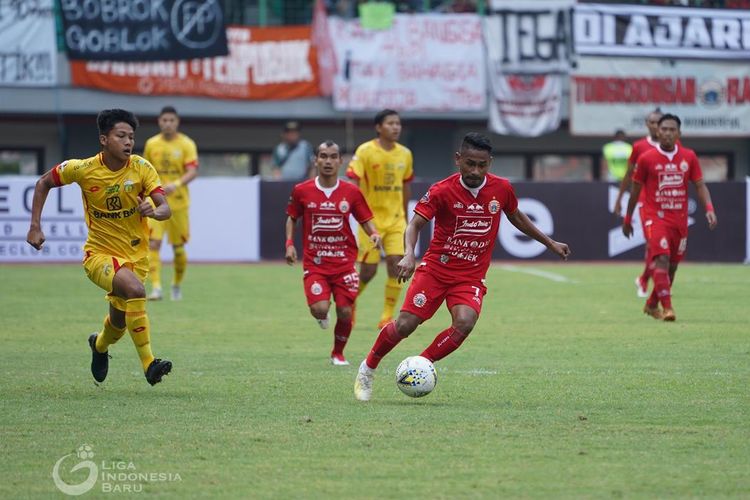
x=466 y=208
x=330 y=248
x=640 y=147
x=663 y=175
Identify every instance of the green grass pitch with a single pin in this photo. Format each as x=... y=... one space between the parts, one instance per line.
x=564 y=389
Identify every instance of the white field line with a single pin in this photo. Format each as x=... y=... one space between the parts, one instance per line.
x=538 y=272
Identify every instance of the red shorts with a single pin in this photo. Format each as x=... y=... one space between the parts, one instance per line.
x=665 y=239
x=427 y=292
x=319 y=286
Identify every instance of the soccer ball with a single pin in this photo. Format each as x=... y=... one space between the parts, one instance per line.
x=416 y=376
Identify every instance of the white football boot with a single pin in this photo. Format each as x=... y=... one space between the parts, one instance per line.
x=363 y=382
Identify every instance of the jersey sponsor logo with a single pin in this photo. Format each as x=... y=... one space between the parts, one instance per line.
x=114 y=203
x=128 y=185
x=472 y=225
x=458 y=205
x=327 y=223
x=115 y=188
x=312 y=204
x=684 y=166
x=62 y=166
x=420 y=299
x=316 y=288
x=328 y=205
x=475 y=208
x=444 y=259
x=425 y=198
x=671 y=180
x=94 y=189
x=344 y=206
x=664 y=243
x=494 y=206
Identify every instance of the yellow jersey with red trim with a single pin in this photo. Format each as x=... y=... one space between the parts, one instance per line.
x=171 y=159
x=381 y=176
x=110 y=200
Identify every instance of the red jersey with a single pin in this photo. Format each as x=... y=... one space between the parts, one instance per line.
x=466 y=224
x=664 y=177
x=640 y=147
x=329 y=244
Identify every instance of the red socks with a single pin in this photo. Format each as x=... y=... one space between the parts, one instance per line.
x=662 y=288
x=388 y=338
x=341 y=333
x=445 y=343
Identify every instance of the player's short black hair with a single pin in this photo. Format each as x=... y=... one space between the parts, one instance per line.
x=108 y=118
x=383 y=114
x=168 y=109
x=327 y=143
x=670 y=116
x=475 y=140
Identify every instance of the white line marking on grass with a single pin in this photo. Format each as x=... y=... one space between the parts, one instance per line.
x=538 y=272
x=479 y=372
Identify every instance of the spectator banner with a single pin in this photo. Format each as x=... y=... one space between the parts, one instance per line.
x=577 y=213
x=321 y=40
x=143 y=30
x=28 y=49
x=234 y=239
x=654 y=31
x=525 y=105
x=263 y=63
x=711 y=98
x=530 y=36
x=424 y=62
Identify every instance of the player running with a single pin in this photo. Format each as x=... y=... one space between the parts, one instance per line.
x=466 y=208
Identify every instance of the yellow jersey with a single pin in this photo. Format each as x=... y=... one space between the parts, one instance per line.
x=381 y=176
x=110 y=201
x=171 y=159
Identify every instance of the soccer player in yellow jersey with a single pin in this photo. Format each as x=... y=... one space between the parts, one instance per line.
x=175 y=157
x=115 y=185
x=382 y=168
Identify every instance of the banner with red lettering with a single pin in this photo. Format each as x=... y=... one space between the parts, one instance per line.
x=711 y=98
x=263 y=63
x=424 y=62
x=525 y=105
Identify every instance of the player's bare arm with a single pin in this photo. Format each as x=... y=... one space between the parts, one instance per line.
x=407 y=196
x=524 y=224
x=159 y=212
x=627 y=225
x=187 y=178
x=705 y=198
x=624 y=185
x=375 y=238
x=35 y=236
x=408 y=263
x=291 y=252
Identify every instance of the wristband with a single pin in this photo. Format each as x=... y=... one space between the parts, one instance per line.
x=177 y=183
x=289 y=243
x=628 y=219
x=709 y=207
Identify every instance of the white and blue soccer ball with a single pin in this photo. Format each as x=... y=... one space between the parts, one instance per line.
x=416 y=376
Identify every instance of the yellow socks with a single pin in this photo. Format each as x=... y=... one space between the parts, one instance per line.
x=154 y=268
x=180 y=264
x=392 y=291
x=109 y=335
x=140 y=329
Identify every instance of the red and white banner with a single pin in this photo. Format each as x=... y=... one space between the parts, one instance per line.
x=711 y=98
x=424 y=62
x=525 y=105
x=263 y=63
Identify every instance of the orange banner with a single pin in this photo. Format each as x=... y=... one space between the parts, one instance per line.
x=263 y=63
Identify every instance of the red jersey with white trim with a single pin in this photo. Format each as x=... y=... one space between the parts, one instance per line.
x=466 y=224
x=664 y=177
x=640 y=147
x=329 y=244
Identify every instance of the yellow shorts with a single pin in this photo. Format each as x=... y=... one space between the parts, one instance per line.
x=393 y=243
x=101 y=269
x=177 y=226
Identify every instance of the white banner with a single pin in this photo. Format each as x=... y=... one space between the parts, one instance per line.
x=224 y=221
x=530 y=37
x=525 y=105
x=424 y=62
x=28 y=49
x=653 y=31
x=711 y=98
